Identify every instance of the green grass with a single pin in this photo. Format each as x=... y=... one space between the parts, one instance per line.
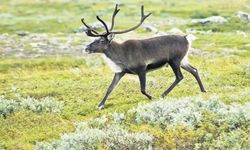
x=82 y=82
x=74 y=82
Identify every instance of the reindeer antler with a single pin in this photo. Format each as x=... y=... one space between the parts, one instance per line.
x=143 y=17
x=89 y=30
x=113 y=17
x=104 y=24
x=93 y=33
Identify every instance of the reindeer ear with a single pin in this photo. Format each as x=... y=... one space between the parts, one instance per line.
x=110 y=36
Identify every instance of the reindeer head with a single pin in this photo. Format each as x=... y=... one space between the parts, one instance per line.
x=103 y=42
x=99 y=45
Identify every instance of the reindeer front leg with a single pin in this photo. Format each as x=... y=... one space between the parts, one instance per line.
x=142 y=78
x=113 y=84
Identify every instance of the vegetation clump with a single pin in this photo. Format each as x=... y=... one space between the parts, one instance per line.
x=205 y=123
x=47 y=104
x=110 y=137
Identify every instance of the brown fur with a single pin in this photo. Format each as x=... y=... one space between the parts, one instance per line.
x=148 y=52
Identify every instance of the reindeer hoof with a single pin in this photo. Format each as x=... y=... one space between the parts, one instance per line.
x=205 y=91
x=100 y=107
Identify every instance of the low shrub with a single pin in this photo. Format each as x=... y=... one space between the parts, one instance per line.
x=196 y=123
x=111 y=137
x=46 y=104
x=188 y=111
x=118 y=117
x=185 y=123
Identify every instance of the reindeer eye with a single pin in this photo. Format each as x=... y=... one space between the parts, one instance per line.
x=102 y=41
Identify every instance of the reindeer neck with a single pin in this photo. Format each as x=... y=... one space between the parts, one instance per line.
x=113 y=50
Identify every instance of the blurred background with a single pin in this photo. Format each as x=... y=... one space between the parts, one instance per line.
x=42 y=64
x=62 y=18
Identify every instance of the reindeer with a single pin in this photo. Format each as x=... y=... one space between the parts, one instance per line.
x=140 y=56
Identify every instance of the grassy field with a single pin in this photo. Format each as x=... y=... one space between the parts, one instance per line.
x=55 y=69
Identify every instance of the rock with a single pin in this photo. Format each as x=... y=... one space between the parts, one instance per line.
x=174 y=31
x=248 y=45
x=95 y=25
x=170 y=32
x=243 y=15
x=161 y=33
x=209 y=20
x=80 y=30
x=42 y=36
x=98 y=25
x=169 y=21
x=150 y=28
x=241 y=33
x=231 y=52
x=193 y=31
x=197 y=52
x=36 y=45
x=22 y=33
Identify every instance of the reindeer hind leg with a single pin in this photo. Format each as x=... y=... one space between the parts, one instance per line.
x=195 y=73
x=175 y=65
